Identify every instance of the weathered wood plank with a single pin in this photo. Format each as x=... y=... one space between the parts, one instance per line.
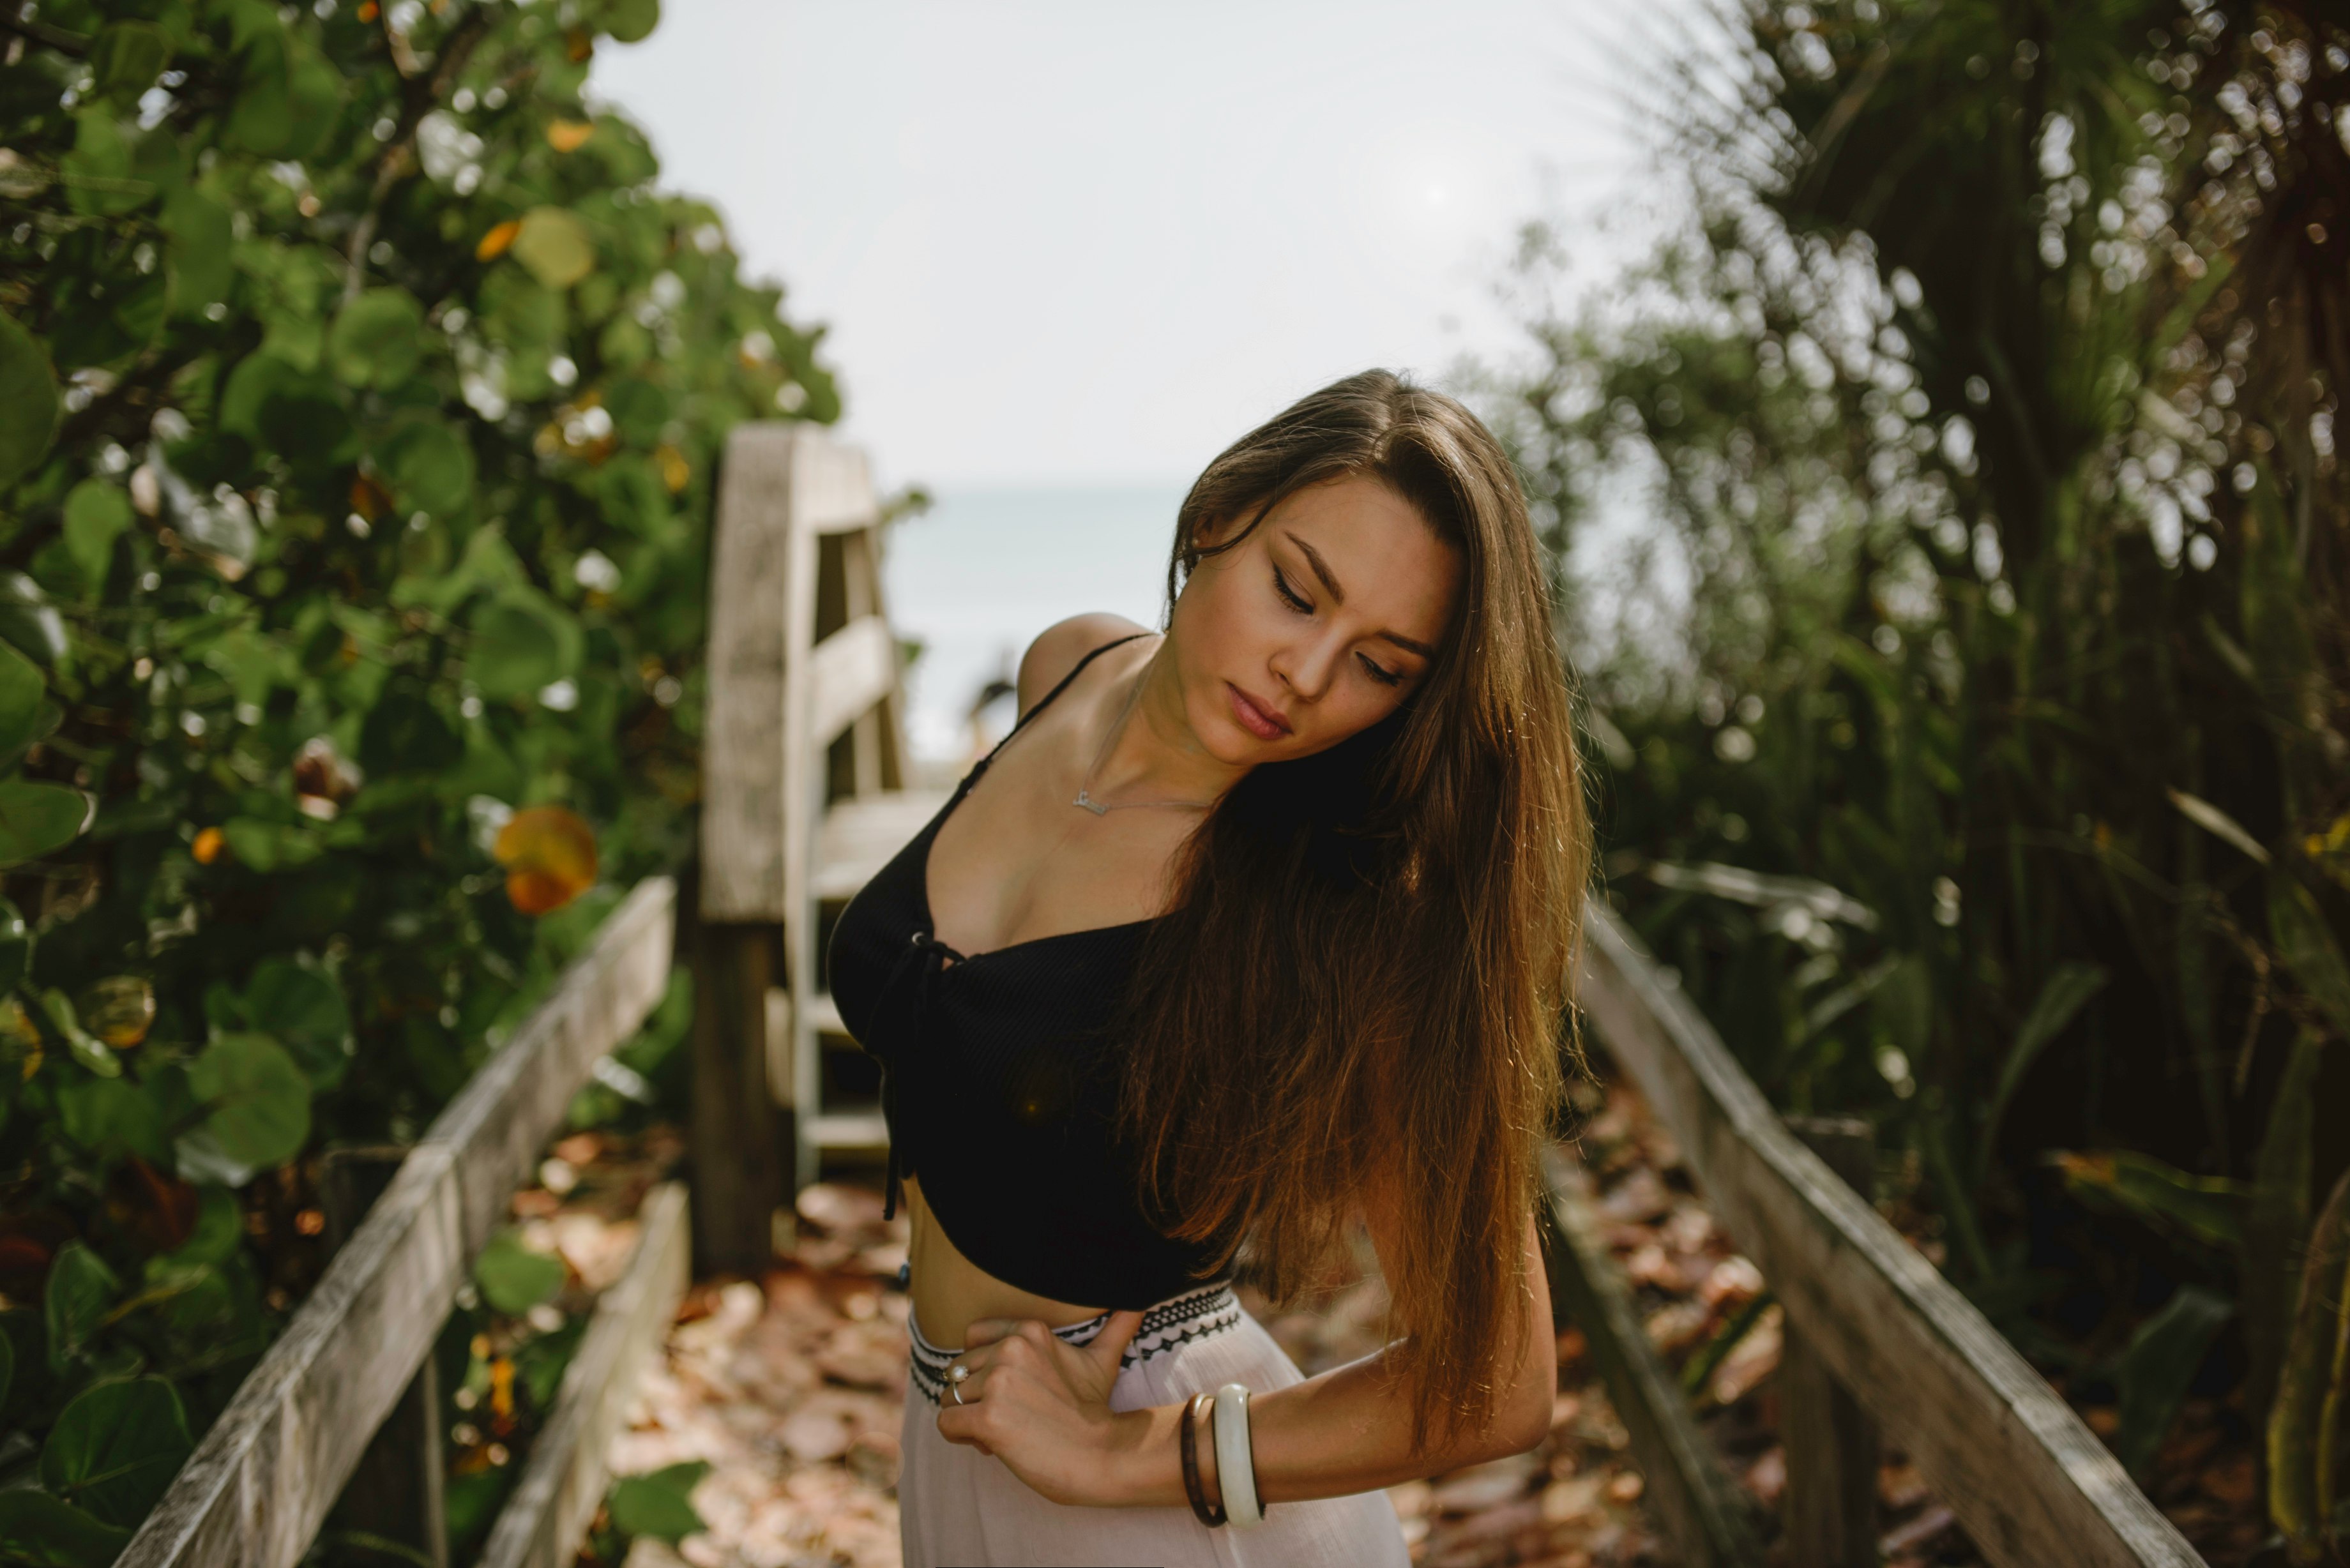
x=1699 y=1507
x=546 y=1517
x=261 y=1481
x=849 y=673
x=859 y=837
x=2031 y=1483
x=1831 y=1444
x=759 y=569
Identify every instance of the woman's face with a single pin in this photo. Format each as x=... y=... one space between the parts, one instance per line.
x=1315 y=625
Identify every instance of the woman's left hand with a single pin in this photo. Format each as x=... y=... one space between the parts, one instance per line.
x=1041 y=1405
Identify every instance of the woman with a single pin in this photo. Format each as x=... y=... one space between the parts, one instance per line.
x=1251 y=930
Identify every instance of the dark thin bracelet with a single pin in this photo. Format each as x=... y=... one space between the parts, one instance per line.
x=1208 y=1514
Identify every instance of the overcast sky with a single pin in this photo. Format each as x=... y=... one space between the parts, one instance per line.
x=1070 y=243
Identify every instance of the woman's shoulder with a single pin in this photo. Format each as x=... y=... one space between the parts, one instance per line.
x=1058 y=647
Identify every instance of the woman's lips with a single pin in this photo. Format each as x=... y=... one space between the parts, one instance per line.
x=1256 y=718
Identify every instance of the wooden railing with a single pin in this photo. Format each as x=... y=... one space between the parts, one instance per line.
x=1877 y=1323
x=262 y=1480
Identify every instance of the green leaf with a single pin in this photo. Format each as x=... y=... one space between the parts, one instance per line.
x=313 y=90
x=36 y=1527
x=115 y=1449
x=2207 y=1209
x=639 y=409
x=430 y=465
x=261 y=115
x=2278 y=1224
x=2062 y=995
x=21 y=690
x=127 y=57
x=660 y=1504
x=629 y=21
x=7 y=1367
x=97 y=513
x=270 y=846
x=80 y=1288
x=258 y=1100
x=36 y=819
x=87 y=1050
x=2299 y=928
x=111 y=1117
x=202 y=236
x=303 y=1008
x=98 y=173
x=555 y=246
x=28 y=402
x=513 y=1278
x=522 y=641
x=29 y=619
x=378 y=339
x=2156 y=1369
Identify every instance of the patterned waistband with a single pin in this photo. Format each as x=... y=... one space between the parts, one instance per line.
x=1195 y=1315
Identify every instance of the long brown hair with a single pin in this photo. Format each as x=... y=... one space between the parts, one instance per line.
x=1361 y=990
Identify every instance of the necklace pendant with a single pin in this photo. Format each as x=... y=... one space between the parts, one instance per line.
x=1087 y=800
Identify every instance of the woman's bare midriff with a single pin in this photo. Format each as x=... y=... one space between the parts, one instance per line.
x=950 y=1292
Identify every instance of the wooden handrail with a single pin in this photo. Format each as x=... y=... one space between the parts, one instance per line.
x=260 y=1483
x=2027 y=1478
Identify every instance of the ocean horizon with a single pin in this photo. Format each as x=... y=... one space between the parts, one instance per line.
x=978 y=576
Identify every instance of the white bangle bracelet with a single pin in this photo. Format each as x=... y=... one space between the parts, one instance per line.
x=1235 y=1465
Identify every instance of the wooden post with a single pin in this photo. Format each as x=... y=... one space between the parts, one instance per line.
x=760 y=603
x=1831 y=1443
x=740 y=1135
x=395 y=1494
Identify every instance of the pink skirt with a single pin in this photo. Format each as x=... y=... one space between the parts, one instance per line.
x=958 y=1508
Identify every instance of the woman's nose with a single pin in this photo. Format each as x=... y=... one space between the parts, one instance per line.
x=1307 y=670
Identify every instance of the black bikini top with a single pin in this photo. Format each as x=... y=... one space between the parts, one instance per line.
x=1000 y=1082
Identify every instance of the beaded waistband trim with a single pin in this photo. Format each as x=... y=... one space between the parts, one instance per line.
x=1195 y=1315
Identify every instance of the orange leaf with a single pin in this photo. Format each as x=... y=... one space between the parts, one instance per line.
x=209 y=845
x=549 y=855
x=568 y=135
x=494 y=244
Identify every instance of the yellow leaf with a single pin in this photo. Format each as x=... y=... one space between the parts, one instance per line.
x=568 y=135
x=494 y=244
x=549 y=855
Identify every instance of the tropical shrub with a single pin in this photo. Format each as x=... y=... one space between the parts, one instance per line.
x=359 y=395
x=1975 y=730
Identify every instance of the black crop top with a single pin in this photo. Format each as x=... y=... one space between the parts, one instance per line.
x=999 y=1082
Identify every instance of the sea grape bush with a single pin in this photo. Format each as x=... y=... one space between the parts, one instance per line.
x=359 y=395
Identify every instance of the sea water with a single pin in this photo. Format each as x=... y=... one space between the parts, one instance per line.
x=979 y=574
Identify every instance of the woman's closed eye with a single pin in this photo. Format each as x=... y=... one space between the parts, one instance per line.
x=1303 y=606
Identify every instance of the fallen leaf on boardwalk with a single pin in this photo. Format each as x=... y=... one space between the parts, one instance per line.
x=1572 y=1501
x=1755 y=1359
x=869 y=1355
x=812 y=1435
x=1637 y=1200
x=1485 y=1485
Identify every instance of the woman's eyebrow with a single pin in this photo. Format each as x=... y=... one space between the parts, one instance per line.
x=1338 y=595
x=1321 y=567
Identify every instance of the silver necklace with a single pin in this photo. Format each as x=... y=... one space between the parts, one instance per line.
x=1084 y=797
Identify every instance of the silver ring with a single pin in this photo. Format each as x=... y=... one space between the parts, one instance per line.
x=956 y=1389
